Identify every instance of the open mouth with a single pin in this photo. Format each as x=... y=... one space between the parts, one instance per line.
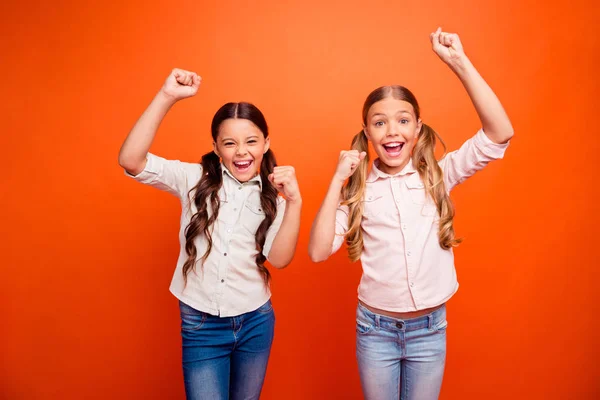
x=393 y=149
x=242 y=166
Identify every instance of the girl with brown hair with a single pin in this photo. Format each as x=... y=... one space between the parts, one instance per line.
x=232 y=222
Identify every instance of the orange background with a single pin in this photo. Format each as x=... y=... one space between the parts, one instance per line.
x=88 y=255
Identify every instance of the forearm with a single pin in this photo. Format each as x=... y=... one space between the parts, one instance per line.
x=284 y=245
x=494 y=120
x=132 y=156
x=322 y=233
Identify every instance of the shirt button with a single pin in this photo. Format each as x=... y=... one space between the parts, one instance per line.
x=240 y=188
x=404 y=226
x=222 y=280
x=225 y=254
x=235 y=209
x=408 y=253
x=412 y=284
x=229 y=230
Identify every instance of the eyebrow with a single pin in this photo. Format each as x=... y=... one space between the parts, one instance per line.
x=399 y=112
x=232 y=139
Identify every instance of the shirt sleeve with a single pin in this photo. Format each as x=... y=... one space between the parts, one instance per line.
x=172 y=176
x=341 y=227
x=274 y=228
x=472 y=156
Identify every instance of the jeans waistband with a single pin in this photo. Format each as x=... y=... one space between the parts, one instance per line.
x=425 y=321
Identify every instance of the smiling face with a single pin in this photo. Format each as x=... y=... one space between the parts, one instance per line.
x=392 y=127
x=241 y=146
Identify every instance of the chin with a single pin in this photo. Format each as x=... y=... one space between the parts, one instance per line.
x=395 y=162
x=244 y=176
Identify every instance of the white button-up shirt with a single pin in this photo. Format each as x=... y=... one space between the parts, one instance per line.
x=404 y=267
x=229 y=282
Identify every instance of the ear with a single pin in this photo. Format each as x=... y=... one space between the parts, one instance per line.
x=419 y=126
x=215 y=149
x=267 y=144
x=366 y=132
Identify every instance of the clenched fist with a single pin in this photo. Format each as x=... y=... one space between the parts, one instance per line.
x=447 y=46
x=181 y=84
x=284 y=180
x=348 y=162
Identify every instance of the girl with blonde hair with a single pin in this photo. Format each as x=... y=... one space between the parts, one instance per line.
x=397 y=219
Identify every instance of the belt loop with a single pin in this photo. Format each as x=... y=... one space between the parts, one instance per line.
x=377 y=324
x=430 y=321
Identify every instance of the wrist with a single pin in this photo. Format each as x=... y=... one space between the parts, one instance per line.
x=337 y=182
x=165 y=99
x=461 y=65
x=294 y=202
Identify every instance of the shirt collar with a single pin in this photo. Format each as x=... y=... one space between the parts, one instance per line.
x=255 y=180
x=376 y=173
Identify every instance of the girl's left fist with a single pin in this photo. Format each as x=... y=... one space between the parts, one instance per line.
x=447 y=46
x=284 y=180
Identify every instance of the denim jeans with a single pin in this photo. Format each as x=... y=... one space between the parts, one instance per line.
x=225 y=358
x=401 y=359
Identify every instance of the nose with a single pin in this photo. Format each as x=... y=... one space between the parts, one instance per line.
x=241 y=150
x=393 y=129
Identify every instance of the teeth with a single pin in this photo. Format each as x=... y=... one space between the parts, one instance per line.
x=242 y=164
x=392 y=145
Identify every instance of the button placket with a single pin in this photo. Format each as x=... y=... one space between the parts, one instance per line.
x=225 y=240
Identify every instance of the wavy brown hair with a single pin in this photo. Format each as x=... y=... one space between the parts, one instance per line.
x=205 y=193
x=424 y=161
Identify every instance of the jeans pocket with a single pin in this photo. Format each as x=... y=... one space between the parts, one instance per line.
x=191 y=319
x=441 y=327
x=363 y=328
x=265 y=308
x=364 y=322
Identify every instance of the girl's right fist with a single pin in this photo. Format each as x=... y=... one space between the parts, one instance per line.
x=348 y=162
x=181 y=84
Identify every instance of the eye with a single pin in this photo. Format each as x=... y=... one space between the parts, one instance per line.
x=404 y=121
x=228 y=144
x=252 y=141
x=379 y=123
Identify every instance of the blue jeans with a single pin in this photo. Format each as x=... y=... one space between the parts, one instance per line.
x=401 y=359
x=225 y=358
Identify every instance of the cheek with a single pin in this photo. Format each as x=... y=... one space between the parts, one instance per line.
x=227 y=155
x=375 y=136
x=257 y=154
x=411 y=137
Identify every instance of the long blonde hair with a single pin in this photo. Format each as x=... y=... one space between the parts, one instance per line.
x=423 y=159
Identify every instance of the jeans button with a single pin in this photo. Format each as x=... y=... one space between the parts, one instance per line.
x=399 y=324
